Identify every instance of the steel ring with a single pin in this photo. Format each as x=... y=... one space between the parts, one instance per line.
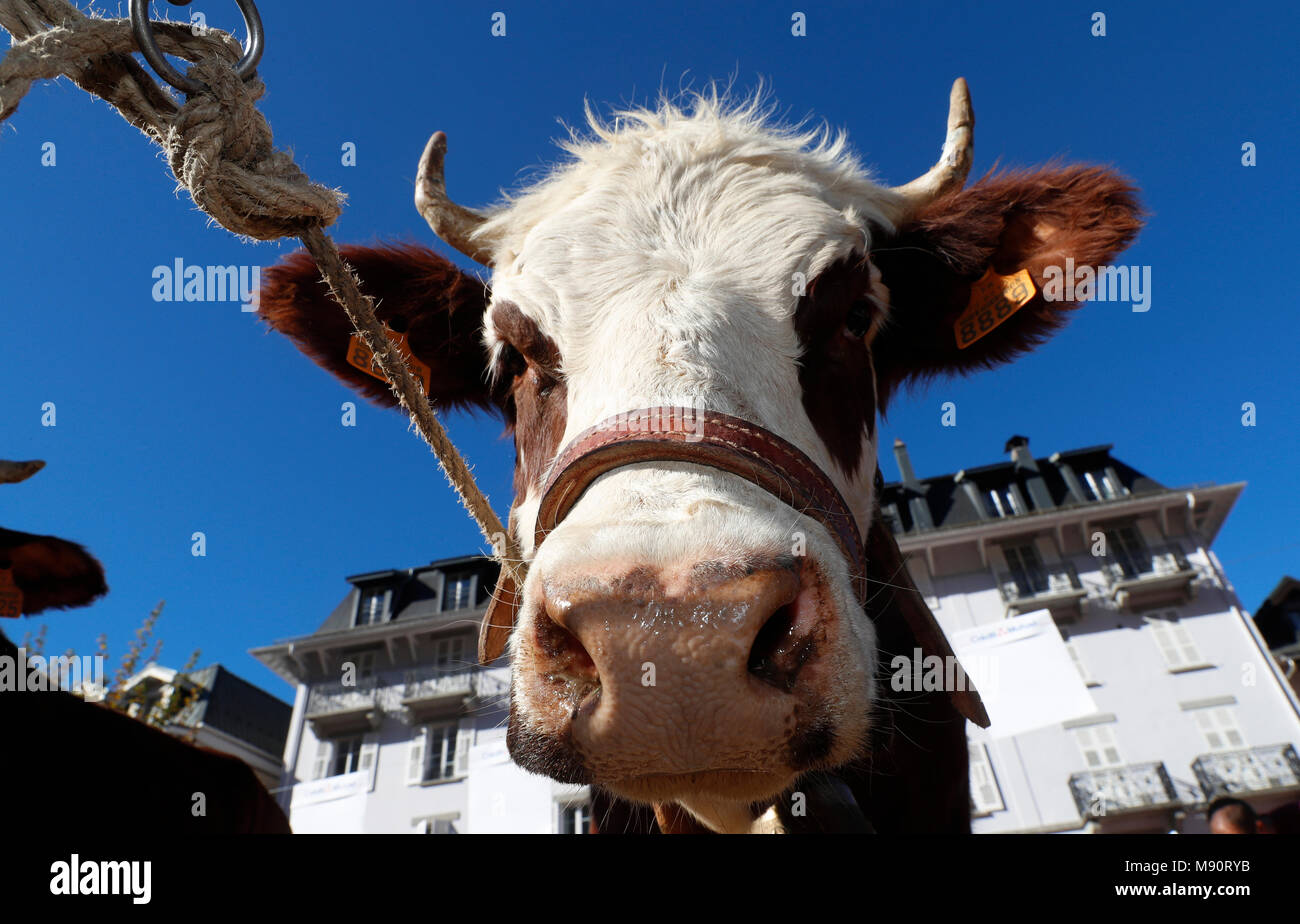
x=144 y=38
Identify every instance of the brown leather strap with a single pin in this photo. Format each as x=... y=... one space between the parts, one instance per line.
x=675 y=434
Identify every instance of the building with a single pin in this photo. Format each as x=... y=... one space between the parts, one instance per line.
x=215 y=709
x=1190 y=703
x=1278 y=620
x=395 y=726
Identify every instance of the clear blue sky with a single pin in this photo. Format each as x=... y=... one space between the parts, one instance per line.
x=177 y=417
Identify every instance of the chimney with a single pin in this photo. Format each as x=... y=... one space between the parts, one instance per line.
x=1018 y=446
x=905 y=473
x=1023 y=461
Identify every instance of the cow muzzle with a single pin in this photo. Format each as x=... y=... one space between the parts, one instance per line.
x=699 y=679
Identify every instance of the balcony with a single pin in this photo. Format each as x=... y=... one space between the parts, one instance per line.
x=1055 y=587
x=341 y=709
x=1122 y=790
x=432 y=692
x=1152 y=577
x=415 y=695
x=1252 y=770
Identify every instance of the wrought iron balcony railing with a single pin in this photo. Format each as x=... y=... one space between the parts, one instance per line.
x=342 y=697
x=1157 y=561
x=389 y=690
x=1115 y=790
x=1259 y=769
x=1021 y=587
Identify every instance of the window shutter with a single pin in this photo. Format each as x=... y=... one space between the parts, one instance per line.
x=1175 y=642
x=320 y=768
x=464 y=736
x=415 y=757
x=369 y=760
x=1109 y=748
x=1098 y=746
x=1078 y=662
x=985 y=795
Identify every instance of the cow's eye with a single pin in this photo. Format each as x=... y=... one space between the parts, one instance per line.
x=858 y=320
x=510 y=364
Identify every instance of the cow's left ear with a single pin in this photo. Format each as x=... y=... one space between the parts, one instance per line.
x=44 y=572
x=941 y=321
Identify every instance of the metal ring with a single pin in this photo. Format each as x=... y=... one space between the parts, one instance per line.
x=143 y=31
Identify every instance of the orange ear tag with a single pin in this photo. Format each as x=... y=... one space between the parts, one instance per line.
x=993 y=299
x=11 y=597
x=360 y=357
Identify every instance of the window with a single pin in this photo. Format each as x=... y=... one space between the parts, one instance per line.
x=1078 y=661
x=1219 y=726
x=449 y=655
x=370 y=606
x=1128 y=550
x=985 y=796
x=1026 y=569
x=433 y=754
x=575 y=818
x=1103 y=485
x=1174 y=641
x=1005 y=501
x=458 y=592
x=347 y=756
x=1097 y=744
x=443 y=825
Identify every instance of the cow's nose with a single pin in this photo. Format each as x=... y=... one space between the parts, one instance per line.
x=683 y=662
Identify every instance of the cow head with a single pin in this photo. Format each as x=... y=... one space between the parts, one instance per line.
x=684 y=636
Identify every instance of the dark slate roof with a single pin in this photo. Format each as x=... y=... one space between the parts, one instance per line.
x=233 y=705
x=949 y=505
x=1278 y=617
x=415 y=590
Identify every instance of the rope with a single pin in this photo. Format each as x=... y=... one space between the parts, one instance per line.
x=220 y=150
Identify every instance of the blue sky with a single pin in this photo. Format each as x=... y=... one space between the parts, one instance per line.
x=177 y=417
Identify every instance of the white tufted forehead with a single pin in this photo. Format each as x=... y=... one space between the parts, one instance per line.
x=663 y=258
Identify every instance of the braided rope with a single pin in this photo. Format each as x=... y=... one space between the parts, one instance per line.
x=220 y=150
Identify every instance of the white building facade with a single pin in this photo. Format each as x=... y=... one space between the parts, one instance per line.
x=397 y=729
x=1190 y=705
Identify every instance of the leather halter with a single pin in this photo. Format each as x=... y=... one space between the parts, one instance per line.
x=744 y=449
x=682 y=434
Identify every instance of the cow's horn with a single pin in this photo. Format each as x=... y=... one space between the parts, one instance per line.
x=452 y=222
x=954 y=164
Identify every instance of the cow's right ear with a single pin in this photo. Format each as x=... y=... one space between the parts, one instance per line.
x=415 y=290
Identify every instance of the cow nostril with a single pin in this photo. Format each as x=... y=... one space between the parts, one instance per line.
x=779 y=650
x=565 y=657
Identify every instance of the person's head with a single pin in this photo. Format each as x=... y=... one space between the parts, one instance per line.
x=1232 y=816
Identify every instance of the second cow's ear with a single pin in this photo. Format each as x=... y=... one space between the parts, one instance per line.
x=416 y=292
x=1027 y=220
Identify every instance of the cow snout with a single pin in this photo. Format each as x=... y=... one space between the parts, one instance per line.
x=701 y=676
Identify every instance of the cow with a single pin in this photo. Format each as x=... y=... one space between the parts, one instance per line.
x=693 y=637
x=116 y=774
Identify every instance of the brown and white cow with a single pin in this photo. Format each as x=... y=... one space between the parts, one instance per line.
x=703 y=257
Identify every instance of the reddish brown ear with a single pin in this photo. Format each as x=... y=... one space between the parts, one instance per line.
x=439 y=307
x=1030 y=220
x=49 y=573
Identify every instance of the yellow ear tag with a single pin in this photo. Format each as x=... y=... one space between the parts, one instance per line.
x=360 y=357
x=993 y=299
x=11 y=597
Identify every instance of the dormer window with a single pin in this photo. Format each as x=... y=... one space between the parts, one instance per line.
x=1004 y=502
x=459 y=590
x=370 y=606
x=1102 y=485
